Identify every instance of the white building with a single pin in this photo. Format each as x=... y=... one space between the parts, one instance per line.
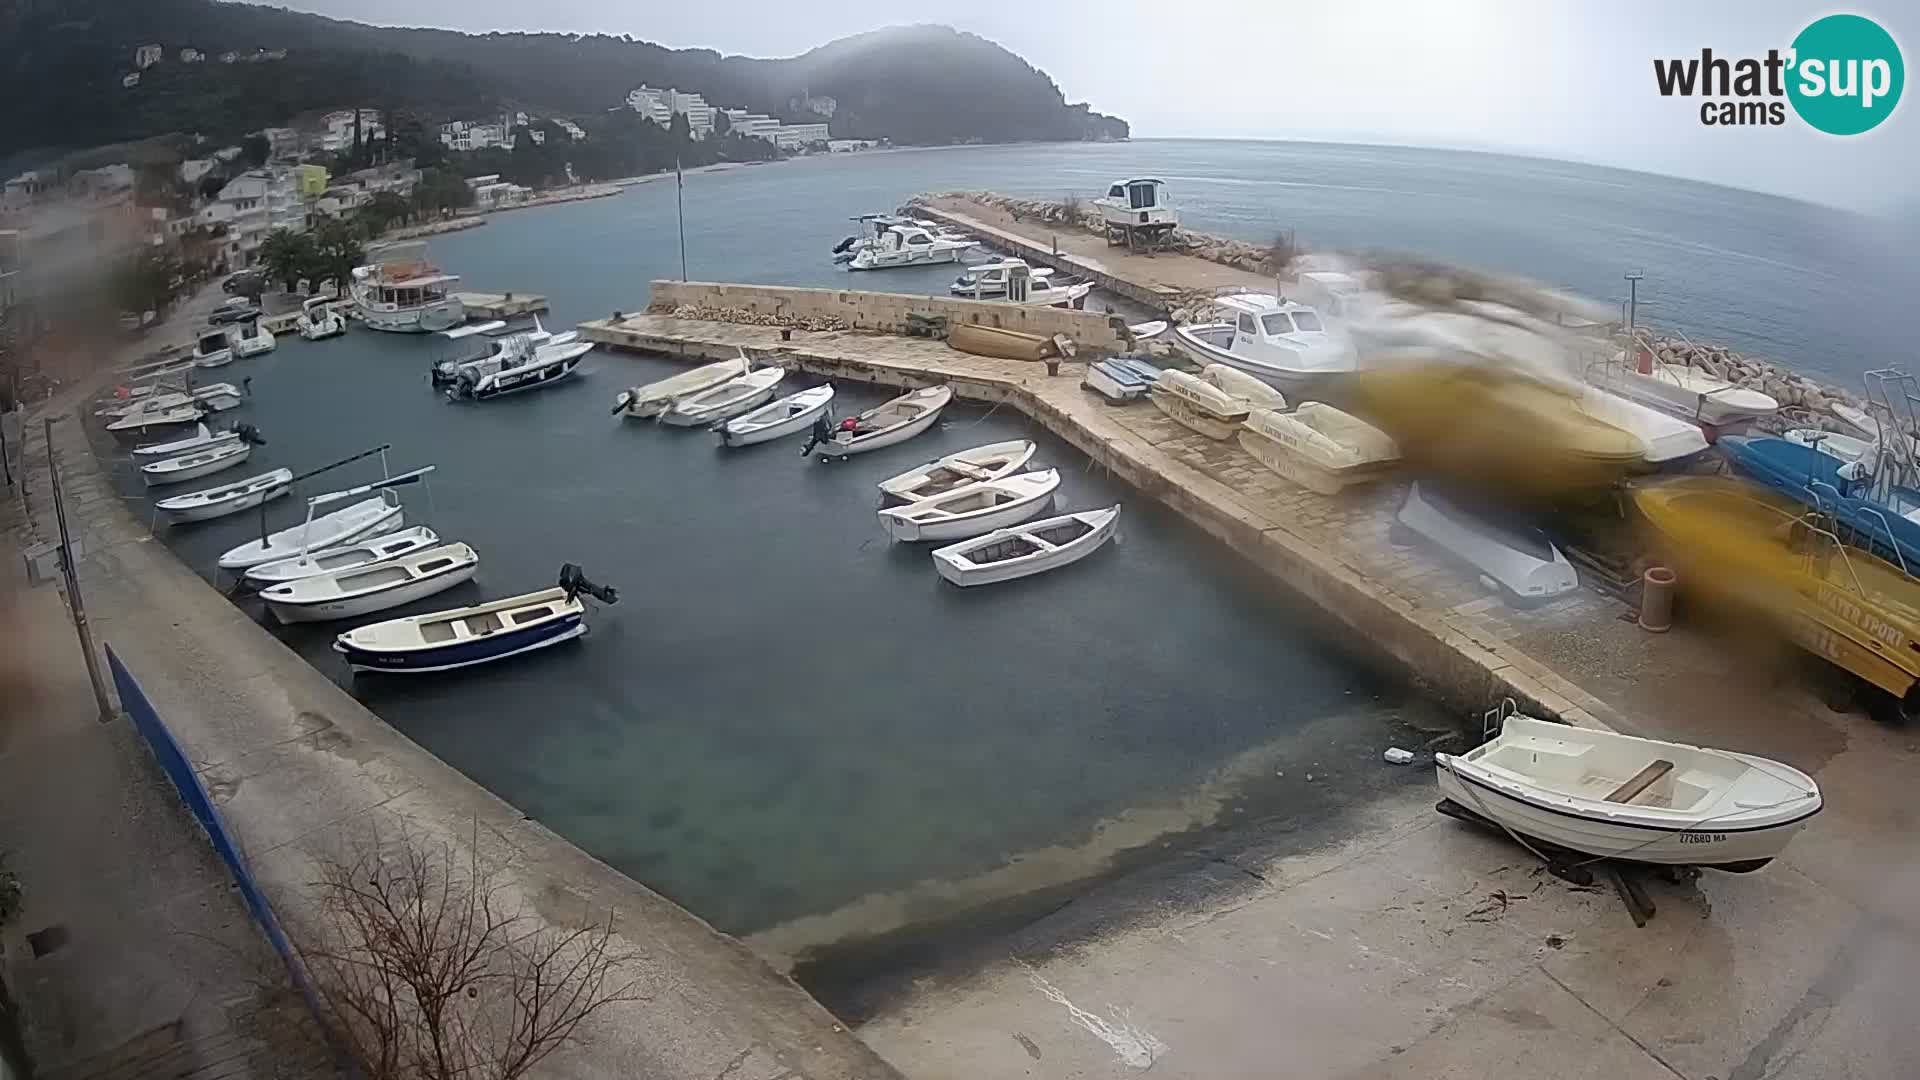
x=655 y=105
x=193 y=169
x=281 y=141
x=461 y=135
x=146 y=56
x=497 y=194
x=750 y=124
x=660 y=106
x=797 y=136
x=572 y=129
x=251 y=206
x=338 y=129
x=848 y=146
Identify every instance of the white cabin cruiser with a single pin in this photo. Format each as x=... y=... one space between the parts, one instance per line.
x=988 y=281
x=251 y=339
x=1018 y=284
x=1281 y=342
x=1137 y=211
x=401 y=292
x=213 y=348
x=318 y=320
x=874 y=226
x=904 y=244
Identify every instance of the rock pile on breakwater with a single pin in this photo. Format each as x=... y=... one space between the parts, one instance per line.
x=752 y=318
x=1801 y=399
x=1219 y=249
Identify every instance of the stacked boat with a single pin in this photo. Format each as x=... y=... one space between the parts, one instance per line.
x=649 y=401
x=1318 y=447
x=1199 y=405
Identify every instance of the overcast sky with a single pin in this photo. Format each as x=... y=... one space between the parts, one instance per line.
x=1558 y=79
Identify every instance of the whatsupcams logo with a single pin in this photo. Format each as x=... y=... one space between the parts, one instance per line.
x=1842 y=75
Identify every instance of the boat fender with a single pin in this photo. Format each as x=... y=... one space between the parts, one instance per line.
x=574 y=581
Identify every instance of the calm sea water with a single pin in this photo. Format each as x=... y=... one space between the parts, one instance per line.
x=787 y=717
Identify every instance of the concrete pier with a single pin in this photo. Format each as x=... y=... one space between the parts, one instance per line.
x=501 y=305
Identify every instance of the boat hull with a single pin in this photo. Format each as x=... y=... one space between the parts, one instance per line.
x=1527 y=569
x=390 y=546
x=682 y=418
x=967 y=575
x=794 y=424
x=1117 y=381
x=211 y=511
x=1736 y=850
x=991 y=462
x=426 y=319
x=1192 y=416
x=999 y=344
x=529 y=378
x=254 y=553
x=880 y=440
x=195 y=472
x=966 y=526
x=368 y=603
x=464 y=654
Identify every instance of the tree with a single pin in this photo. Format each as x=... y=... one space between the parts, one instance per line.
x=255 y=149
x=143 y=282
x=426 y=969
x=441 y=190
x=336 y=251
x=287 y=256
x=382 y=212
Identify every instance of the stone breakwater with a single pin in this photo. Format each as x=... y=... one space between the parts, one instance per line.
x=743 y=317
x=1803 y=401
x=1219 y=249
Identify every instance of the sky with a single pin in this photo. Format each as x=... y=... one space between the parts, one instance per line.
x=1554 y=78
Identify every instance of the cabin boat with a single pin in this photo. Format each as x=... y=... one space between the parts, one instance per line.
x=1019 y=285
x=988 y=281
x=970 y=466
x=401 y=292
x=1618 y=796
x=517 y=364
x=483 y=633
x=1137 y=212
x=376 y=549
x=1236 y=383
x=1281 y=342
x=1690 y=393
x=1025 y=550
x=1512 y=557
x=213 y=348
x=790 y=415
x=1201 y=406
x=972 y=509
x=727 y=400
x=1318 y=447
x=215 y=502
x=1121 y=378
x=251 y=339
x=872 y=225
x=900 y=243
x=1881 y=515
x=1333 y=295
x=363 y=590
x=643 y=402
x=884 y=425
x=368 y=517
x=198 y=463
x=318 y=320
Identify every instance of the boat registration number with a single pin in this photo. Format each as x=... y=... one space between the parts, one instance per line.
x=1702 y=837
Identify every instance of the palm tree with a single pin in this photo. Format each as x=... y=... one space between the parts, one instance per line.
x=336 y=250
x=287 y=256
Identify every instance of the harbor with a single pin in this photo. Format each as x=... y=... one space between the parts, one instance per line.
x=964 y=811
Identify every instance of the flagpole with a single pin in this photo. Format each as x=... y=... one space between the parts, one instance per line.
x=680 y=202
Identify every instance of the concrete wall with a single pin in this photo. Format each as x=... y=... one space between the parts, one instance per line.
x=886 y=312
x=1156 y=297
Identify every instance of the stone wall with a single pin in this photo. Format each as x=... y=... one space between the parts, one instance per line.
x=878 y=312
x=1238 y=254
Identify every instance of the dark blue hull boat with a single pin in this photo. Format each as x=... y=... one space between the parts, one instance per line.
x=1805 y=474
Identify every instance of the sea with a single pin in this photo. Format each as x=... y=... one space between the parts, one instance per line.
x=789 y=723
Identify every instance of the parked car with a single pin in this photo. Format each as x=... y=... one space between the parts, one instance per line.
x=249 y=281
x=238 y=309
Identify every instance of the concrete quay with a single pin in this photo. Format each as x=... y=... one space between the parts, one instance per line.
x=1386 y=941
x=481 y=305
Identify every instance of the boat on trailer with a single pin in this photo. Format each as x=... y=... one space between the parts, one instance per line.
x=973 y=509
x=480 y=634
x=789 y=415
x=882 y=426
x=363 y=590
x=376 y=549
x=989 y=462
x=1024 y=550
x=1617 y=796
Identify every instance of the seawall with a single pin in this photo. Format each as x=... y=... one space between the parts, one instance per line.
x=303 y=773
x=881 y=312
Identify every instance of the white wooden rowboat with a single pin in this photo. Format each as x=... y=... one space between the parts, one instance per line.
x=209 y=503
x=363 y=590
x=790 y=415
x=194 y=465
x=890 y=423
x=392 y=545
x=368 y=517
x=989 y=462
x=1025 y=550
x=642 y=402
x=973 y=509
x=1622 y=797
x=146 y=420
x=201 y=439
x=729 y=399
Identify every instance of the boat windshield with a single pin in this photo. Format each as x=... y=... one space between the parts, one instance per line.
x=1277 y=323
x=1307 y=322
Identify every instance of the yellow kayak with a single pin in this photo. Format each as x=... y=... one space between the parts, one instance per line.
x=1495 y=429
x=1747 y=545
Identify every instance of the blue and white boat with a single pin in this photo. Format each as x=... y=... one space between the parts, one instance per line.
x=464 y=637
x=1882 y=518
x=1123 y=378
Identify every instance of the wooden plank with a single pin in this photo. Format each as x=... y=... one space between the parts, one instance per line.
x=1640 y=782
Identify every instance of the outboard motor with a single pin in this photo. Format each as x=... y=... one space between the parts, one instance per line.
x=822 y=432
x=249 y=434
x=574 y=581
x=463 y=385
x=845 y=244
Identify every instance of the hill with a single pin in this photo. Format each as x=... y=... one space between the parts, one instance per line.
x=914 y=85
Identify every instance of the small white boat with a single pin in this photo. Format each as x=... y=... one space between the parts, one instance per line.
x=1012 y=281
x=1025 y=550
x=1121 y=378
x=197 y=464
x=201 y=439
x=1318 y=447
x=1667 y=438
x=1201 y=406
x=1511 y=557
x=209 y=503
x=213 y=348
x=973 y=509
x=1147 y=331
x=368 y=517
x=363 y=590
x=989 y=462
x=654 y=398
x=525 y=361
x=218 y=397
x=790 y=415
x=897 y=243
x=727 y=400
x=1236 y=383
x=318 y=320
x=463 y=637
x=251 y=339
x=1690 y=393
x=988 y=281
x=884 y=425
x=377 y=549
x=1279 y=341
x=1831 y=443
x=147 y=419
x=1621 y=797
